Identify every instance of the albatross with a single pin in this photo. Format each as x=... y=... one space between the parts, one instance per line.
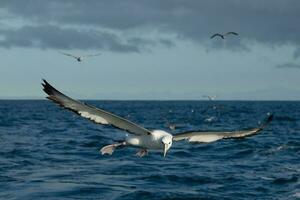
x=138 y=136
x=80 y=58
x=223 y=35
x=210 y=97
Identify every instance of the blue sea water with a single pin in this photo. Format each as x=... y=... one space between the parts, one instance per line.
x=50 y=153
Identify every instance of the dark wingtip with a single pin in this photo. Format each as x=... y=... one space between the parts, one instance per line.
x=267 y=121
x=44 y=83
x=270 y=118
x=47 y=88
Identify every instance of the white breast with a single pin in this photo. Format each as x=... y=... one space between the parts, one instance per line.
x=152 y=141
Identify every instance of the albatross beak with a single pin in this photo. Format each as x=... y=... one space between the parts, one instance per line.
x=165 y=150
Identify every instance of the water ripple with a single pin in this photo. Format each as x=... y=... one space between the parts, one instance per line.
x=49 y=153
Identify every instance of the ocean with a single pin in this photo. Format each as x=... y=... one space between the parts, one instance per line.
x=50 y=153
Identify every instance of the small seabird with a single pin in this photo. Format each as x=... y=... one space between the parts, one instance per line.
x=138 y=136
x=171 y=126
x=79 y=58
x=209 y=119
x=210 y=97
x=223 y=35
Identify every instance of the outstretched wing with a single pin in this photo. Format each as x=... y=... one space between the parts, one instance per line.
x=232 y=33
x=210 y=97
x=67 y=54
x=211 y=136
x=92 y=113
x=91 y=55
x=217 y=34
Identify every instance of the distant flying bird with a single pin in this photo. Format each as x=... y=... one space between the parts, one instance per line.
x=223 y=35
x=79 y=58
x=138 y=136
x=210 y=97
x=209 y=119
x=173 y=126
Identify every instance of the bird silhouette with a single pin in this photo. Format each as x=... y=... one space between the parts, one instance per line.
x=223 y=35
x=80 y=58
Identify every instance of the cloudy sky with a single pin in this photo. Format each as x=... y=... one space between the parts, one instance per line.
x=151 y=49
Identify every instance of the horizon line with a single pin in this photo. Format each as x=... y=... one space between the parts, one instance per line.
x=45 y=99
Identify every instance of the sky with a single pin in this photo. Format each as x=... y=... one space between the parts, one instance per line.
x=151 y=50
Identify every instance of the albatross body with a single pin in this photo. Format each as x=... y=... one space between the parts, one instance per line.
x=154 y=141
x=139 y=136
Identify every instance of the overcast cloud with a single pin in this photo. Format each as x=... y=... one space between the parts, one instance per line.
x=126 y=26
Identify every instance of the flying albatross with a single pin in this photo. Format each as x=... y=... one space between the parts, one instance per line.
x=223 y=35
x=79 y=58
x=139 y=136
x=210 y=97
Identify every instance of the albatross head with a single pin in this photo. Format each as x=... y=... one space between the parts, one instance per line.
x=167 y=142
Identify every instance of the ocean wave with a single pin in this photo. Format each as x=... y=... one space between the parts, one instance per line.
x=48 y=153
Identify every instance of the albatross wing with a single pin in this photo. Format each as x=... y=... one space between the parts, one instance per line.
x=92 y=113
x=91 y=55
x=211 y=136
x=217 y=34
x=232 y=33
x=67 y=54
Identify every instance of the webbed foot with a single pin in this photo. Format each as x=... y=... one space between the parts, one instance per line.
x=109 y=149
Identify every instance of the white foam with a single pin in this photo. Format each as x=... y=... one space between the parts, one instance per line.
x=297 y=195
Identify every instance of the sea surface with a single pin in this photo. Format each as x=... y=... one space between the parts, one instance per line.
x=47 y=152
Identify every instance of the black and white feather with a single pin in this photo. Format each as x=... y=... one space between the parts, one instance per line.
x=211 y=136
x=92 y=113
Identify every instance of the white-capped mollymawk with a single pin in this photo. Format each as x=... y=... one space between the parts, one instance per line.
x=80 y=58
x=138 y=136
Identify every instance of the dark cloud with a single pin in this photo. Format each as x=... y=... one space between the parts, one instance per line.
x=272 y=22
x=288 y=65
x=70 y=38
x=63 y=38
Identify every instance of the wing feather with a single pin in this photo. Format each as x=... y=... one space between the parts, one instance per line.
x=92 y=113
x=232 y=33
x=211 y=136
x=67 y=54
x=91 y=55
x=217 y=34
